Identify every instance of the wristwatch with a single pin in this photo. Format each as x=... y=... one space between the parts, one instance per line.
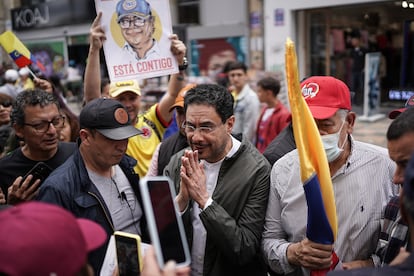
x=183 y=66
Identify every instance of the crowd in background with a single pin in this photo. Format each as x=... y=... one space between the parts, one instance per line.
x=231 y=153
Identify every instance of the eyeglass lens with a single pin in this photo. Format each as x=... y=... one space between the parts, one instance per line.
x=135 y=21
x=44 y=126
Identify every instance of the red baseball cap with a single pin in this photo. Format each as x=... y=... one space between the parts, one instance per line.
x=43 y=239
x=408 y=104
x=325 y=95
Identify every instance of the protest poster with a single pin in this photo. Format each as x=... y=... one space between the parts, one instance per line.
x=137 y=42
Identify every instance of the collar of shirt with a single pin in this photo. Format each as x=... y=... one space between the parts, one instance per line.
x=154 y=50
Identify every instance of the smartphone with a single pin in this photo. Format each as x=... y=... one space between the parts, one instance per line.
x=39 y=171
x=164 y=221
x=128 y=253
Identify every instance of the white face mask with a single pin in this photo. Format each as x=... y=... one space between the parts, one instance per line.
x=330 y=144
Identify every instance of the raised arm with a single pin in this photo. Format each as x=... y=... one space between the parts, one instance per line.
x=92 y=81
x=176 y=81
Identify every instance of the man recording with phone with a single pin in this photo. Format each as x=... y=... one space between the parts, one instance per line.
x=98 y=181
x=37 y=121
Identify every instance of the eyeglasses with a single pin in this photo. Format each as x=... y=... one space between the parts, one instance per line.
x=6 y=104
x=135 y=21
x=202 y=129
x=43 y=126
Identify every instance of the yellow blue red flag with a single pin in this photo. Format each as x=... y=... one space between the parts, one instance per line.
x=322 y=223
x=17 y=51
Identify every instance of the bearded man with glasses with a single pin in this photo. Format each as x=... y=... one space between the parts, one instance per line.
x=222 y=187
x=137 y=27
x=37 y=121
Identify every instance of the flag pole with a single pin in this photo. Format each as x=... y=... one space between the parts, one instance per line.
x=31 y=72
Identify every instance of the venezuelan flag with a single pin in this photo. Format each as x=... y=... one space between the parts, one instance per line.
x=17 y=51
x=322 y=225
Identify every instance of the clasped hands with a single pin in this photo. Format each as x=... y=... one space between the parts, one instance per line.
x=192 y=181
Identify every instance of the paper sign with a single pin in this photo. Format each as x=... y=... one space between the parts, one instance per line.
x=137 y=42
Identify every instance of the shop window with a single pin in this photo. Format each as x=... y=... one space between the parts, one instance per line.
x=188 y=11
x=318 y=43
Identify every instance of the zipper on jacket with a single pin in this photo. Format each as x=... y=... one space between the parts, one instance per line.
x=103 y=208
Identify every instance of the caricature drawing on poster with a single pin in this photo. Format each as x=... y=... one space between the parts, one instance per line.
x=137 y=42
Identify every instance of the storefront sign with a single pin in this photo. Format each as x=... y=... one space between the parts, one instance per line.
x=279 y=17
x=30 y=17
x=52 y=14
x=400 y=94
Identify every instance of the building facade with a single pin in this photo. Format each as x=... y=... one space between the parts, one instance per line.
x=253 y=31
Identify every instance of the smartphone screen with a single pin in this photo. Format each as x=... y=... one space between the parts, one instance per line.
x=172 y=241
x=39 y=171
x=127 y=253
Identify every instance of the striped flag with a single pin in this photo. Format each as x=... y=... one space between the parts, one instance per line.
x=322 y=223
x=17 y=51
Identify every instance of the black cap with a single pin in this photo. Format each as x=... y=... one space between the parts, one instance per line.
x=108 y=117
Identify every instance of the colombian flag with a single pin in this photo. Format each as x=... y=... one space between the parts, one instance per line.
x=17 y=51
x=322 y=223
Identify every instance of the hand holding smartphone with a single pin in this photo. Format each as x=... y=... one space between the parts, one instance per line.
x=39 y=171
x=128 y=252
x=164 y=222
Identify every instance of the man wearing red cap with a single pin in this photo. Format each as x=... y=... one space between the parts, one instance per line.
x=361 y=176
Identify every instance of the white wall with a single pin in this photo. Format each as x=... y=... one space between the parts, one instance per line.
x=220 y=18
x=223 y=12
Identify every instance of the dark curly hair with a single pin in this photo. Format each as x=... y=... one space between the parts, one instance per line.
x=213 y=95
x=403 y=124
x=30 y=97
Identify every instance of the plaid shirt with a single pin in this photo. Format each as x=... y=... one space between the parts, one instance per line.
x=394 y=233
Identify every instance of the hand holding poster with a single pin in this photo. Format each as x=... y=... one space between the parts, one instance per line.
x=137 y=33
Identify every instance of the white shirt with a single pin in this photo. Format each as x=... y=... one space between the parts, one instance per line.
x=362 y=188
x=211 y=170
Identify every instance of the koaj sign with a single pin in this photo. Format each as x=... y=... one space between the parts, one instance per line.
x=52 y=14
x=30 y=17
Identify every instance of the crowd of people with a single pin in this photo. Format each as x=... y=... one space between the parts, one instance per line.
x=234 y=163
